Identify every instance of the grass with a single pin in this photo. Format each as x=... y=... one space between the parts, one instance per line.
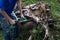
x=55 y=5
x=1 y=35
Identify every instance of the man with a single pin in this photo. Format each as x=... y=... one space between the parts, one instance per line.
x=6 y=8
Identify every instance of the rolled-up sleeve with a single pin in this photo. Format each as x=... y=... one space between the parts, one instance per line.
x=1 y=5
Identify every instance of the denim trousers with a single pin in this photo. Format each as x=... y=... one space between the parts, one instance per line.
x=5 y=27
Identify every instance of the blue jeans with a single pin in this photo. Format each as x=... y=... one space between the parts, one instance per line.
x=5 y=27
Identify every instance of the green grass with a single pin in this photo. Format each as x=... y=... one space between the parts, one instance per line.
x=1 y=35
x=55 y=5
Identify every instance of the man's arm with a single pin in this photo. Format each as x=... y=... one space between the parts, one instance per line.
x=19 y=4
x=5 y=14
x=7 y=17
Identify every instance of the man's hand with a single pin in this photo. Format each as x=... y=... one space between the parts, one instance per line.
x=12 y=21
